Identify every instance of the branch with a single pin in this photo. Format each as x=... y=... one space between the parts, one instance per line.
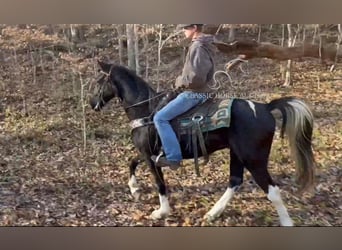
x=253 y=49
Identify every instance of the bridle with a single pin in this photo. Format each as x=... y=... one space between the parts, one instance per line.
x=139 y=122
x=109 y=80
x=106 y=80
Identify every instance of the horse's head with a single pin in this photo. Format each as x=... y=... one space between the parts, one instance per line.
x=105 y=88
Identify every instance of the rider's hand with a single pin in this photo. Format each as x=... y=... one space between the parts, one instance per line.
x=179 y=83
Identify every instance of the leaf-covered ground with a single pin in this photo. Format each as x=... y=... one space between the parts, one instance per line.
x=48 y=179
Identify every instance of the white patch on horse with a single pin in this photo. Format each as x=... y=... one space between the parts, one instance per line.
x=164 y=209
x=274 y=196
x=252 y=106
x=220 y=205
x=133 y=187
x=97 y=105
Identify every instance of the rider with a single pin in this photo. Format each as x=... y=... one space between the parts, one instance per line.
x=197 y=74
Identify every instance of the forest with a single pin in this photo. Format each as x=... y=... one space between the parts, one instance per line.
x=62 y=164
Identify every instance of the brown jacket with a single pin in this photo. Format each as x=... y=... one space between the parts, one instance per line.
x=198 y=70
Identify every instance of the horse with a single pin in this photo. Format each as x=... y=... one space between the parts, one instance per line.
x=249 y=138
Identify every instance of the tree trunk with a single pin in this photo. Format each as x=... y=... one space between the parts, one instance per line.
x=282 y=43
x=339 y=40
x=259 y=32
x=159 y=54
x=231 y=36
x=145 y=50
x=120 y=28
x=289 y=62
x=130 y=46
x=77 y=33
x=136 y=49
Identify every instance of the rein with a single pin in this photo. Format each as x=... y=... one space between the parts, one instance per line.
x=147 y=100
x=145 y=121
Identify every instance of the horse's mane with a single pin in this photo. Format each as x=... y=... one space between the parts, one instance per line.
x=136 y=83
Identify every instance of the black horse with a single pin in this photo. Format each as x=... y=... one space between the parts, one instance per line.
x=249 y=138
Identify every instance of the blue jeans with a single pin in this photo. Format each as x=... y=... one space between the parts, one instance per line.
x=182 y=103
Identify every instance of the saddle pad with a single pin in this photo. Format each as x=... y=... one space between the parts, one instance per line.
x=215 y=115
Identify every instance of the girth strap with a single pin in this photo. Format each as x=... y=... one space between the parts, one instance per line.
x=196 y=133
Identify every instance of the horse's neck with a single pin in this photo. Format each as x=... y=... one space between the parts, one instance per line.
x=141 y=110
x=138 y=111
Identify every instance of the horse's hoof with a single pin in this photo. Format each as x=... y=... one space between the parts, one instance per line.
x=136 y=195
x=158 y=214
x=286 y=223
x=209 y=218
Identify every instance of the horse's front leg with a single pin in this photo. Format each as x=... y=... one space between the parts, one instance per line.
x=132 y=183
x=164 y=210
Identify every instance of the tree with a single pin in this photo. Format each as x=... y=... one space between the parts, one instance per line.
x=120 y=28
x=136 y=49
x=130 y=46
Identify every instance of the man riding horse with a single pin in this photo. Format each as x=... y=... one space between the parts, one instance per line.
x=196 y=77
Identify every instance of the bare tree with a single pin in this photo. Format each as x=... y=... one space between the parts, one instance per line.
x=316 y=30
x=22 y=84
x=130 y=46
x=259 y=32
x=145 y=50
x=161 y=44
x=83 y=105
x=231 y=36
x=159 y=53
x=289 y=62
x=136 y=49
x=339 y=41
x=120 y=28
x=76 y=33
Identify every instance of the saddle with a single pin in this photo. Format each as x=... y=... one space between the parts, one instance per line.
x=210 y=115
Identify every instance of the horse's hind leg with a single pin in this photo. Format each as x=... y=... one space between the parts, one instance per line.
x=274 y=196
x=264 y=180
x=132 y=183
x=235 y=180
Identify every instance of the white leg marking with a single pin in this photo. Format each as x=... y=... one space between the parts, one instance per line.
x=133 y=187
x=220 y=205
x=164 y=209
x=274 y=196
x=252 y=106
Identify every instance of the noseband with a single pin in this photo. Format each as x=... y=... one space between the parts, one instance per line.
x=106 y=80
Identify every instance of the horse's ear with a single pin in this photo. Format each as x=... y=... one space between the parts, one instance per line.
x=104 y=66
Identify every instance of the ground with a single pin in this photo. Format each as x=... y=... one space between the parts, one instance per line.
x=50 y=177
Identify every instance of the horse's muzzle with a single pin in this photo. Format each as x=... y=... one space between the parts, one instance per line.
x=96 y=104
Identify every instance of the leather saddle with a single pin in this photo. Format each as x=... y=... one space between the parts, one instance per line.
x=208 y=116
